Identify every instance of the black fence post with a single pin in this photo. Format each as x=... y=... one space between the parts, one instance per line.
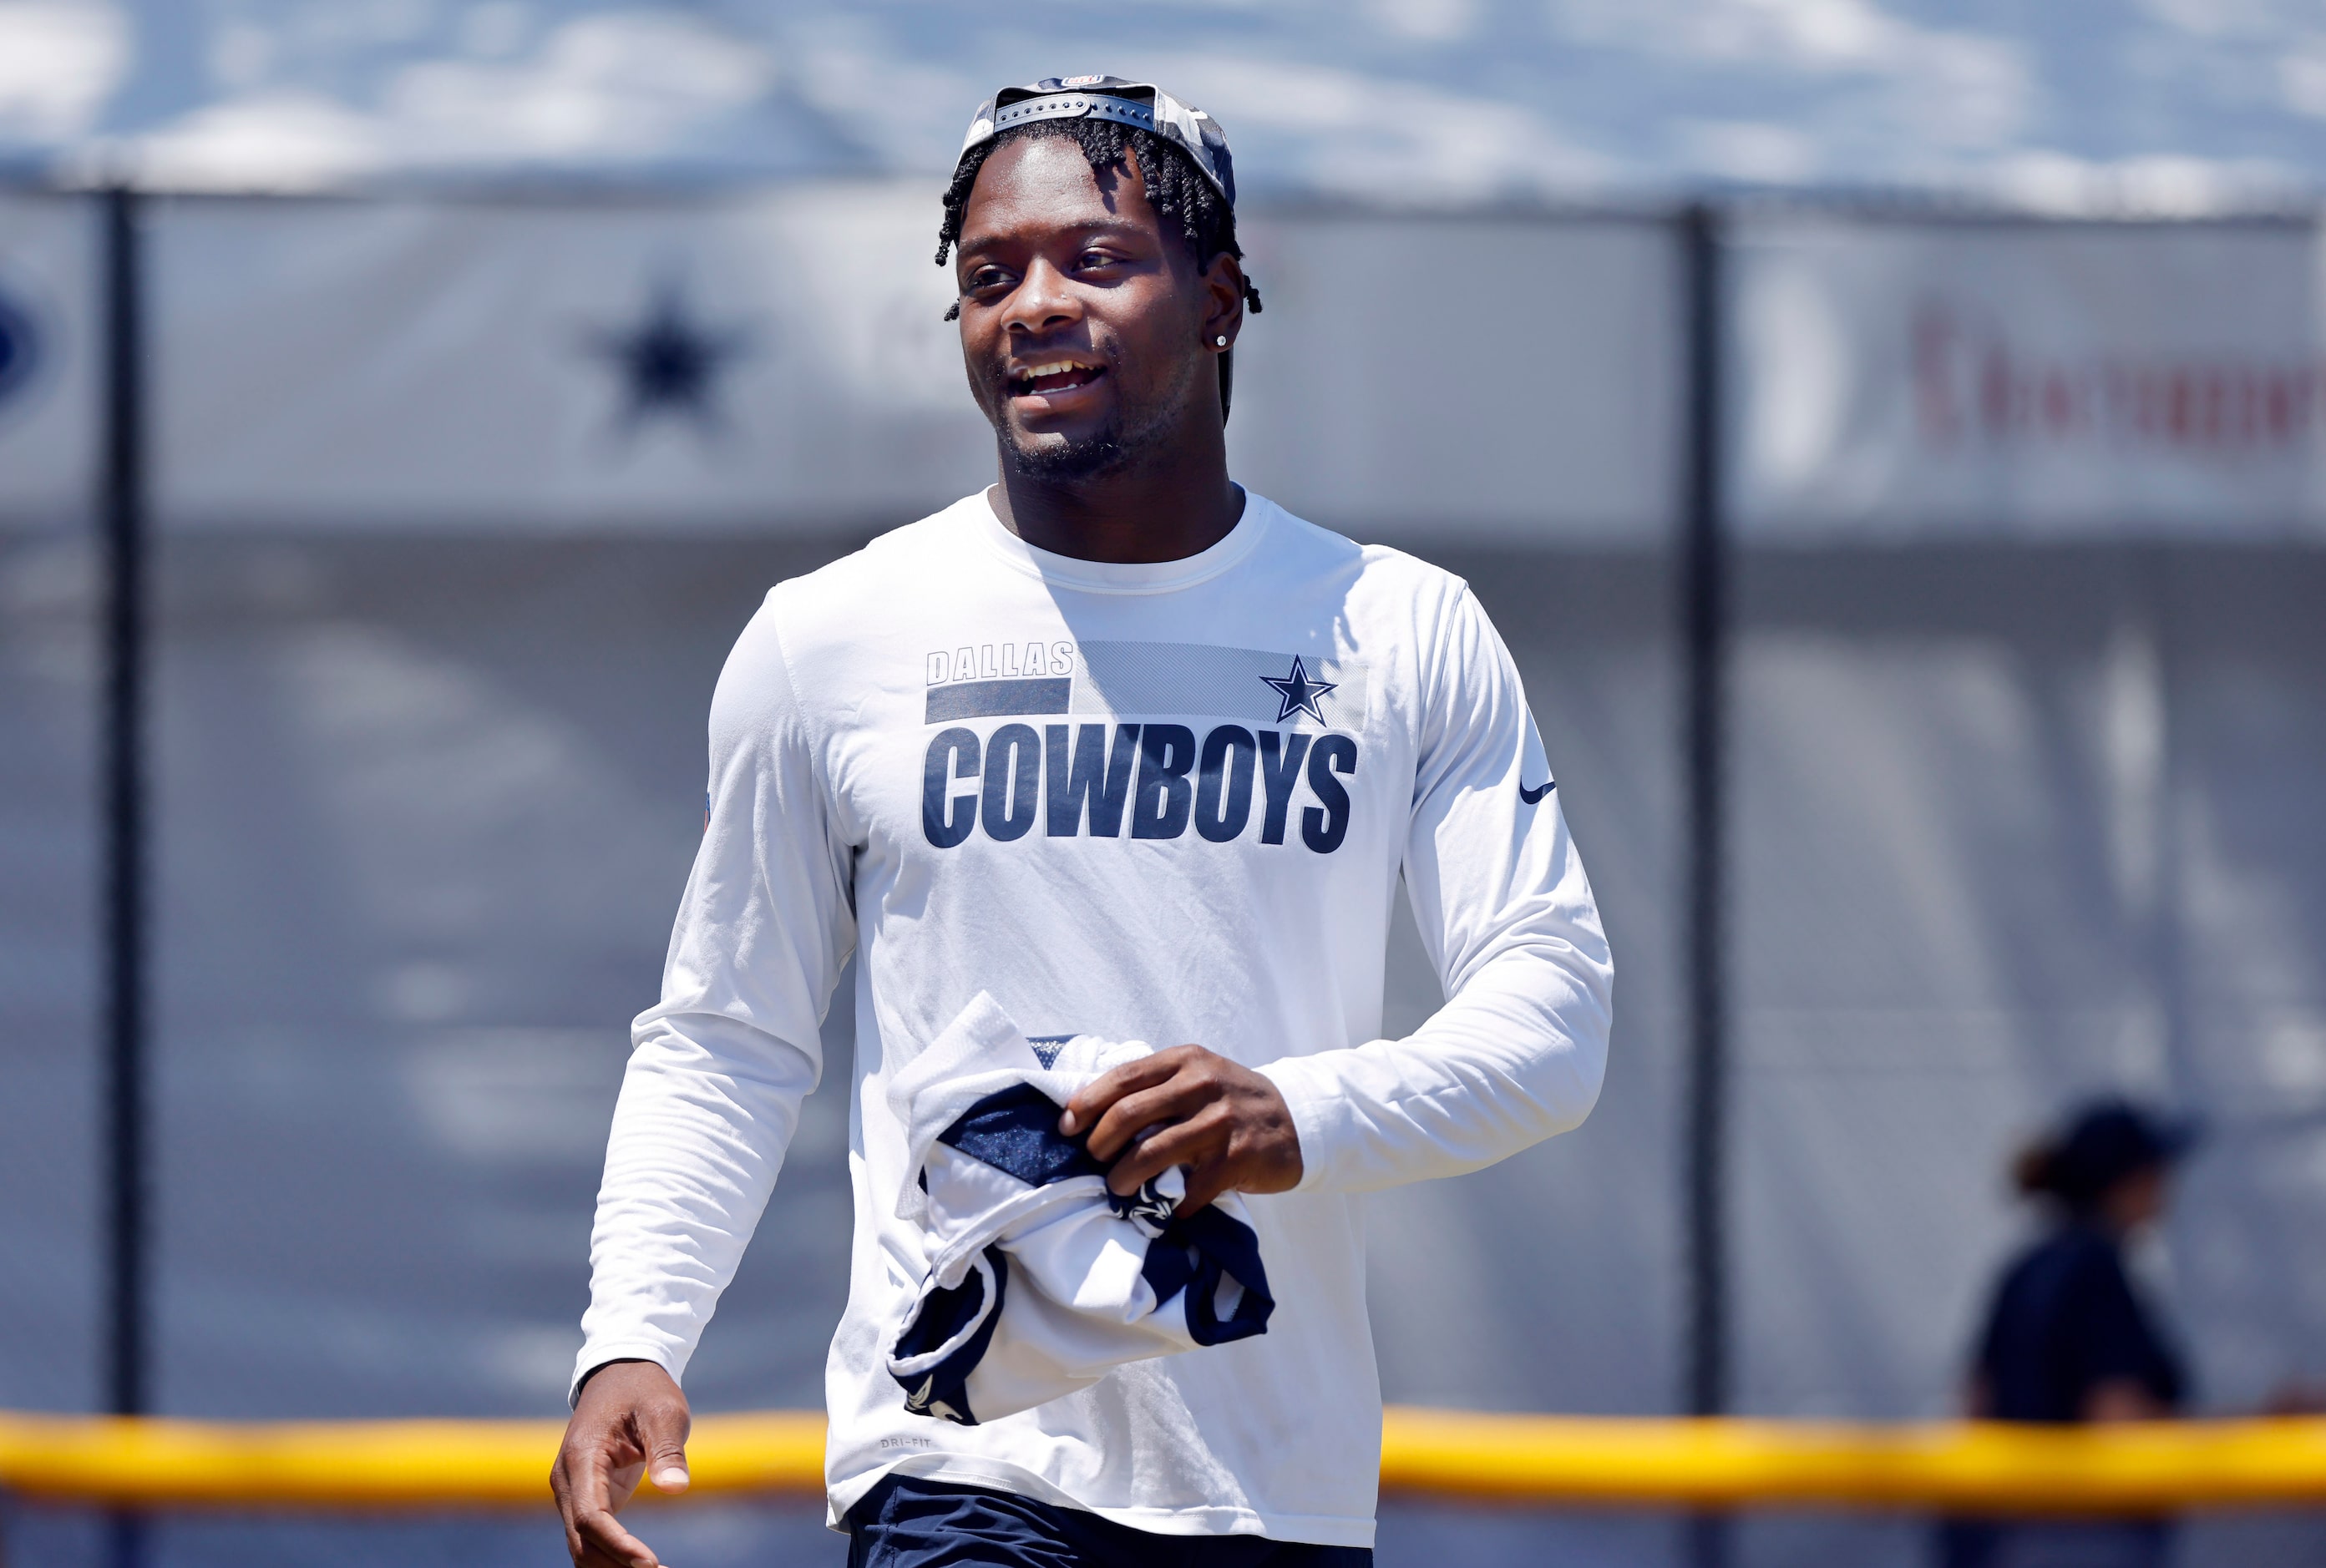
x=122 y=505
x=1705 y=633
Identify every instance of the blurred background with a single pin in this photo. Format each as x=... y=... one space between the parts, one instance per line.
x=492 y=359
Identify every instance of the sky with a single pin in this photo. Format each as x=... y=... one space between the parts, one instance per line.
x=2140 y=104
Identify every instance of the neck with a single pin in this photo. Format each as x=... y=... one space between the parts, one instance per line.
x=1179 y=502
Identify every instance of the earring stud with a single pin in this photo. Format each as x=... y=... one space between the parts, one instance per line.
x=1222 y=339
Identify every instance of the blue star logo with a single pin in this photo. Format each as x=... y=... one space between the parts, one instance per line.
x=20 y=348
x=1297 y=693
x=669 y=362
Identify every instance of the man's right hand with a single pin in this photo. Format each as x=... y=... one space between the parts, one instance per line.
x=631 y=1420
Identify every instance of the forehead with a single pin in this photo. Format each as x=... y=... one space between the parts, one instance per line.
x=1034 y=186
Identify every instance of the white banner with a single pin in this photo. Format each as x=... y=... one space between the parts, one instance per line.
x=547 y=366
x=1893 y=379
x=784 y=361
x=49 y=351
x=1423 y=377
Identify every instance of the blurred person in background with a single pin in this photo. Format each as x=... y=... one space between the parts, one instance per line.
x=2070 y=1336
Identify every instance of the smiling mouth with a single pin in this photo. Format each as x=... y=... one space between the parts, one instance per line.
x=1052 y=376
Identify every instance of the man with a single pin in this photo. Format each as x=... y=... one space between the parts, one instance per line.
x=1142 y=755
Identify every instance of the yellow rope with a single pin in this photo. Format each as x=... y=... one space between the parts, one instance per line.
x=443 y=1465
x=1738 y=1463
x=365 y=1464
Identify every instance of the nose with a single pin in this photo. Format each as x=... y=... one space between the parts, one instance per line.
x=1042 y=300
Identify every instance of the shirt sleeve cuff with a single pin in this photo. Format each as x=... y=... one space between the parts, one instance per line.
x=593 y=1357
x=1312 y=1093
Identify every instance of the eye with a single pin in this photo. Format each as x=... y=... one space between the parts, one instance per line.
x=1094 y=258
x=985 y=277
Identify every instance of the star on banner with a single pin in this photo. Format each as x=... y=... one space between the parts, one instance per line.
x=669 y=361
x=1297 y=693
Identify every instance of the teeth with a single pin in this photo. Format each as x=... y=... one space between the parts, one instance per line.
x=1053 y=367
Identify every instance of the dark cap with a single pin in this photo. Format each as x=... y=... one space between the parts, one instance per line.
x=2107 y=1141
x=1110 y=97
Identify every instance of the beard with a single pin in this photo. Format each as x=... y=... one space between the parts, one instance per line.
x=1065 y=461
x=1132 y=437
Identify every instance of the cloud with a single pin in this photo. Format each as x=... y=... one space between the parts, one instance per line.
x=910 y=107
x=1754 y=151
x=1350 y=132
x=1434 y=99
x=2154 y=186
x=1947 y=87
x=620 y=88
x=1428 y=21
x=277 y=141
x=2261 y=19
x=60 y=64
x=2302 y=80
x=1295 y=123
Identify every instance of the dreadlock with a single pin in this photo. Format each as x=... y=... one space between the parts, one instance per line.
x=1175 y=187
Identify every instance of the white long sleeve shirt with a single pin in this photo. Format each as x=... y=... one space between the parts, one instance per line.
x=1166 y=802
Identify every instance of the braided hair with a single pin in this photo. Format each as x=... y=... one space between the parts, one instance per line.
x=1175 y=188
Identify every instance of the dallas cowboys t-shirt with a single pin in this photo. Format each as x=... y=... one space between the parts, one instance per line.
x=1165 y=802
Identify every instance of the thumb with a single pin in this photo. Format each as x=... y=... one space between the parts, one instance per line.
x=663 y=1434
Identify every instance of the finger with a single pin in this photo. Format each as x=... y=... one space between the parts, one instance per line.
x=605 y=1472
x=1207 y=1180
x=662 y=1434
x=668 y=1468
x=602 y=1539
x=1199 y=1139
x=590 y=1557
x=1164 y=1105
x=1092 y=1100
x=592 y=1535
x=574 y=1548
x=587 y=1552
x=580 y=1479
x=564 y=1487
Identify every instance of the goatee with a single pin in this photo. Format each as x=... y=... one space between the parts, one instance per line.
x=1086 y=459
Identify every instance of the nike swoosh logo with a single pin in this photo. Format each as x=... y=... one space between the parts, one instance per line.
x=1534 y=796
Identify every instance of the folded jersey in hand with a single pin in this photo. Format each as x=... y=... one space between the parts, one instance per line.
x=1039 y=1279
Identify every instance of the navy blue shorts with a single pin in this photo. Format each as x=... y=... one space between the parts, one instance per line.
x=906 y=1523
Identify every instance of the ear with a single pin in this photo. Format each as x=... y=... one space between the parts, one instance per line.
x=1224 y=296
